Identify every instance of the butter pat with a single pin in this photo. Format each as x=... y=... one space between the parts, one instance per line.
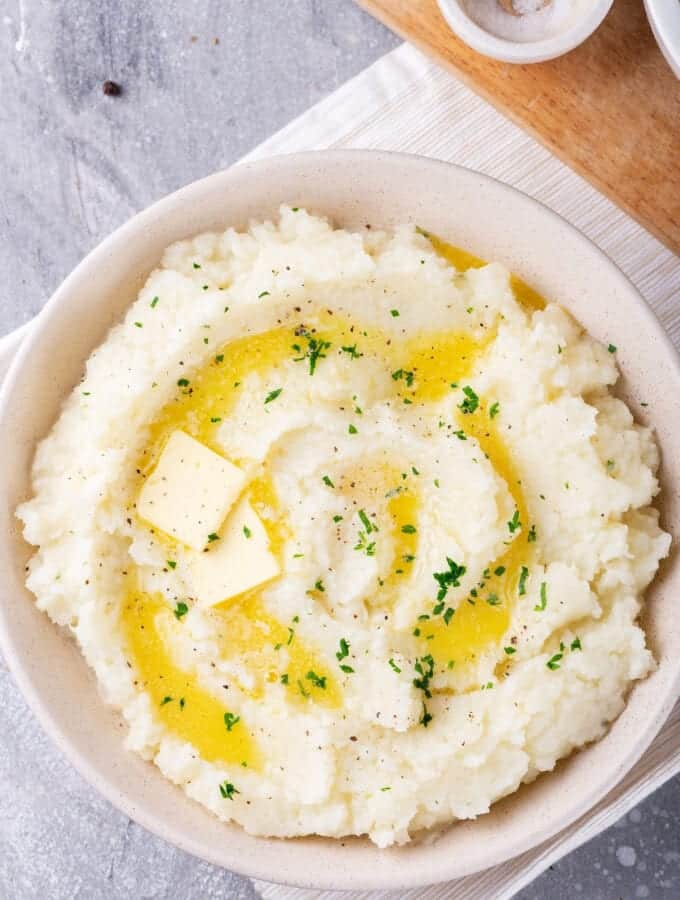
x=190 y=492
x=238 y=561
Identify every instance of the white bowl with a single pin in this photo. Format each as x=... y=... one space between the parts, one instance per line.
x=353 y=188
x=511 y=42
x=664 y=19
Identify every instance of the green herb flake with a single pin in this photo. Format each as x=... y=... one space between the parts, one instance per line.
x=181 y=610
x=531 y=536
x=171 y=563
x=499 y=570
x=544 y=598
x=494 y=409
x=139 y=324
x=408 y=529
x=314 y=351
x=352 y=351
x=327 y=481
x=522 y=583
x=154 y=302
x=471 y=401
x=262 y=294
x=182 y=382
x=514 y=524
x=576 y=644
x=394 y=666
x=227 y=789
x=215 y=419
x=230 y=720
x=272 y=395
x=352 y=430
x=219 y=358
x=509 y=650
x=196 y=265
x=318 y=681
x=448 y=579
x=394 y=313
x=247 y=532
x=284 y=678
x=554 y=661
x=611 y=348
x=166 y=700
x=337 y=519
x=213 y=537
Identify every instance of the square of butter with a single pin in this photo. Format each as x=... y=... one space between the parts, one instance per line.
x=239 y=560
x=190 y=492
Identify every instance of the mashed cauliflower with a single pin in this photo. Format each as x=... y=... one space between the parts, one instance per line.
x=427 y=547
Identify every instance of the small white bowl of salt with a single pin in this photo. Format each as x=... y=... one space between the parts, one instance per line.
x=524 y=31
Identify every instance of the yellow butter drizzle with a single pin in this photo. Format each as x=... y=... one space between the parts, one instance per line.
x=477 y=624
x=269 y=649
x=192 y=713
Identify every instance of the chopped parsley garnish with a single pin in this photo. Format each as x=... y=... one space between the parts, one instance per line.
x=352 y=351
x=471 y=401
x=522 y=584
x=284 y=678
x=343 y=653
x=612 y=348
x=213 y=537
x=426 y=717
x=227 y=789
x=318 y=586
x=352 y=430
x=272 y=395
x=247 y=532
x=139 y=324
x=182 y=382
x=166 y=700
x=317 y=680
x=544 y=598
x=327 y=481
x=366 y=522
x=219 y=358
x=576 y=644
x=182 y=703
x=262 y=294
x=514 y=524
x=554 y=661
x=314 y=350
x=499 y=570
x=610 y=464
x=230 y=720
x=154 y=302
x=301 y=688
x=394 y=666
x=407 y=376
x=509 y=650
x=531 y=536
x=196 y=265
x=494 y=409
x=448 y=614
x=408 y=529
x=181 y=610
x=215 y=419
x=172 y=563
x=386 y=788
x=449 y=579
x=337 y=519
x=363 y=544
x=394 y=313
x=460 y=434
x=424 y=667
x=493 y=600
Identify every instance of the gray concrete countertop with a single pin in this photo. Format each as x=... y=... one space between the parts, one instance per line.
x=203 y=81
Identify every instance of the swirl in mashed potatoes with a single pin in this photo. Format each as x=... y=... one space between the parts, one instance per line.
x=350 y=527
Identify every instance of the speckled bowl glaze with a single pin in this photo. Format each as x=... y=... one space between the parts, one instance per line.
x=352 y=188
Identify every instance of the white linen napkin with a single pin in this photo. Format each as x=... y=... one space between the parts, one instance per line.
x=404 y=102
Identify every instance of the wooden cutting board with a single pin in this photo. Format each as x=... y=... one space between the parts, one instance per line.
x=609 y=109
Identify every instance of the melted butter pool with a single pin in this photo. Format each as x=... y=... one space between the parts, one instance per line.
x=432 y=365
